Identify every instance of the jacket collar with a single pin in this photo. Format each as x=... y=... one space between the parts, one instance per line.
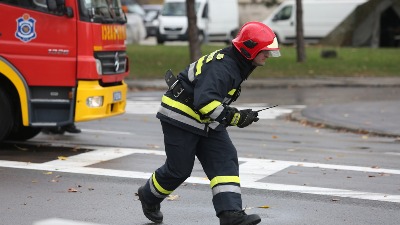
x=245 y=66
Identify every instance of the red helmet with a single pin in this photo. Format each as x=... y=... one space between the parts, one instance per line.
x=254 y=37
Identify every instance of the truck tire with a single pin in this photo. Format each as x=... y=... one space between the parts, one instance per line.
x=6 y=118
x=22 y=133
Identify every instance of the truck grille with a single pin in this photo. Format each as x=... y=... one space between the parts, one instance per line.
x=112 y=62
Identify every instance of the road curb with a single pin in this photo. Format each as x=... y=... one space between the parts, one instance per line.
x=298 y=117
x=159 y=84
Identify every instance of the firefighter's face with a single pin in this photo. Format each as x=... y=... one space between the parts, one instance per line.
x=259 y=60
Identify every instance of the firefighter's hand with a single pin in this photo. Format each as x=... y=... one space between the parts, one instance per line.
x=242 y=118
x=247 y=117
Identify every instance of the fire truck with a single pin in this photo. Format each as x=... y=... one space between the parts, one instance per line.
x=61 y=62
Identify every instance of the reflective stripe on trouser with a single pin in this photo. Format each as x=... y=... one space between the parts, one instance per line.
x=219 y=160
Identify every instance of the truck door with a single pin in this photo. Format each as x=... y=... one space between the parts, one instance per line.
x=40 y=44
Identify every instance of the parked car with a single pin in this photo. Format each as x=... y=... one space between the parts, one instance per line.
x=151 y=21
x=135 y=30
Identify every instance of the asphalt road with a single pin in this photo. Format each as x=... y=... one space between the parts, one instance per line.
x=291 y=173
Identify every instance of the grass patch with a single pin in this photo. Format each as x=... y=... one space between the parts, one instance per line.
x=151 y=62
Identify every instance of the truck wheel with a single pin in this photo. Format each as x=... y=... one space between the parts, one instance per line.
x=22 y=133
x=6 y=118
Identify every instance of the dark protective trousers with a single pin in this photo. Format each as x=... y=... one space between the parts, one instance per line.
x=216 y=154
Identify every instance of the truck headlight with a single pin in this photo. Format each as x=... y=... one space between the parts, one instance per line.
x=94 y=101
x=98 y=67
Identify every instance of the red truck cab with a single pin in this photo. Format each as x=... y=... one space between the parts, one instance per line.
x=61 y=61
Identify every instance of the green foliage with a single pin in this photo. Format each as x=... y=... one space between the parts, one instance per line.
x=149 y=62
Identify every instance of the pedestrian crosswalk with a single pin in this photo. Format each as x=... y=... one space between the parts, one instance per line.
x=253 y=172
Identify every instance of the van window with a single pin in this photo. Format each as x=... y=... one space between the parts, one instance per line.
x=285 y=13
x=176 y=8
x=205 y=11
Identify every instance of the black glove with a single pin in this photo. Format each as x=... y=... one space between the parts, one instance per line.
x=242 y=118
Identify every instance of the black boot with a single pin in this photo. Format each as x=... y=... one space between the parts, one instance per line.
x=238 y=218
x=152 y=212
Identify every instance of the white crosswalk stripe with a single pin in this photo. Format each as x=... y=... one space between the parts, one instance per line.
x=252 y=171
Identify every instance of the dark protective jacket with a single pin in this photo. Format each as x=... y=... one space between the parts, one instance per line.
x=213 y=83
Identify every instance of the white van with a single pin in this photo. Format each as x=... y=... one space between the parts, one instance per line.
x=319 y=18
x=217 y=20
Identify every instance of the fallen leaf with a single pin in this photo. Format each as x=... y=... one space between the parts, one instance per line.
x=172 y=197
x=47 y=173
x=72 y=190
x=263 y=207
x=62 y=158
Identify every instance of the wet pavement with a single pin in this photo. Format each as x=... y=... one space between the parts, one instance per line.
x=375 y=117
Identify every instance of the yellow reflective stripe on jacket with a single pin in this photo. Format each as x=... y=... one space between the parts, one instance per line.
x=231 y=92
x=224 y=179
x=199 y=65
x=211 y=56
x=182 y=107
x=158 y=186
x=210 y=107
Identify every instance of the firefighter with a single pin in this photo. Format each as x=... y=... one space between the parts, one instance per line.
x=194 y=115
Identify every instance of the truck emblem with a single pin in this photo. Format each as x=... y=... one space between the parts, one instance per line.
x=25 y=28
x=116 y=63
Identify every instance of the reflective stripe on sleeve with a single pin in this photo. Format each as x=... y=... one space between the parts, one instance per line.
x=226 y=188
x=217 y=112
x=231 y=92
x=210 y=107
x=213 y=125
x=224 y=179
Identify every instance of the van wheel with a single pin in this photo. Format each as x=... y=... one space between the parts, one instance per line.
x=6 y=118
x=160 y=40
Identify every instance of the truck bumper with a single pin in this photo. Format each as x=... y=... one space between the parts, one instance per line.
x=113 y=100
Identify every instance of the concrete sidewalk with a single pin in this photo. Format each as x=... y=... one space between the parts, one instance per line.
x=376 y=118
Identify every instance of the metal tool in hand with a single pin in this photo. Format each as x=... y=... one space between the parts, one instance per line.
x=266 y=108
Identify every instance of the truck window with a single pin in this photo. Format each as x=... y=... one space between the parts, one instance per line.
x=284 y=14
x=39 y=5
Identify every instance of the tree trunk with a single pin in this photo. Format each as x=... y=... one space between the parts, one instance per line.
x=193 y=32
x=301 y=54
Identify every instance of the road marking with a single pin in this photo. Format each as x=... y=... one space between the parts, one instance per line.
x=393 y=153
x=106 y=132
x=151 y=107
x=251 y=171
